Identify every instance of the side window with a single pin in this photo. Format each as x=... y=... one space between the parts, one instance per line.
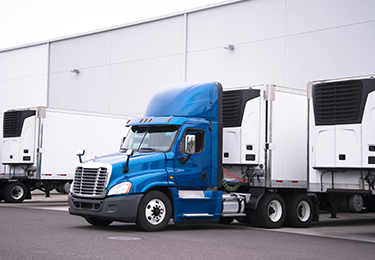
x=199 y=140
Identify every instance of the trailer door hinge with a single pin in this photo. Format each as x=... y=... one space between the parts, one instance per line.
x=269 y=146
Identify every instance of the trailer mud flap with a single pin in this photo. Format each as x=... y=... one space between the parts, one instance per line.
x=196 y=205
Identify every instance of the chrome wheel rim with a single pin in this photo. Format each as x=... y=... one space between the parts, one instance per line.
x=155 y=211
x=17 y=192
x=274 y=210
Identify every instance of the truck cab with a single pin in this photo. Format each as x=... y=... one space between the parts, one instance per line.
x=169 y=166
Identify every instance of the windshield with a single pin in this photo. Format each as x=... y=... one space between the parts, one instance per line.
x=156 y=138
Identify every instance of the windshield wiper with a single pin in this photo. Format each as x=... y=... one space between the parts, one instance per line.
x=147 y=149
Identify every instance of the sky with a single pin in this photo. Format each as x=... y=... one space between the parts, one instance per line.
x=24 y=22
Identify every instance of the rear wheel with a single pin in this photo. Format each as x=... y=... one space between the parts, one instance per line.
x=98 y=222
x=252 y=215
x=271 y=211
x=226 y=220
x=154 y=211
x=14 y=192
x=300 y=211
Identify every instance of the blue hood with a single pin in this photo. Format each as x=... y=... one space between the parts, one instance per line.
x=145 y=169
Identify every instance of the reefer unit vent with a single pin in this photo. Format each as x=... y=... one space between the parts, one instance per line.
x=13 y=122
x=341 y=102
x=234 y=105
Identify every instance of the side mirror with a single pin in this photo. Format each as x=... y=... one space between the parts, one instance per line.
x=189 y=148
x=80 y=153
x=129 y=153
x=190 y=144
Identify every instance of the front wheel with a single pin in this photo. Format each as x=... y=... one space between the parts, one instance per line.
x=271 y=211
x=14 y=192
x=300 y=210
x=154 y=211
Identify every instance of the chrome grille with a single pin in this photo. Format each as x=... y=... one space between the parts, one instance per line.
x=90 y=181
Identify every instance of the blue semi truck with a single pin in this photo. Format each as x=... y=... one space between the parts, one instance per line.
x=201 y=154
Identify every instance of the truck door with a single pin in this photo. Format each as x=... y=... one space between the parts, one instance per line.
x=193 y=172
x=193 y=201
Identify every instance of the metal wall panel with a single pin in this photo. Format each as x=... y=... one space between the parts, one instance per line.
x=309 y=16
x=134 y=83
x=282 y=42
x=83 y=52
x=335 y=53
x=148 y=40
x=23 y=77
x=86 y=91
x=239 y=23
x=249 y=64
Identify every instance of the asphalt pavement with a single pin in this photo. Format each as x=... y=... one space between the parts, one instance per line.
x=349 y=226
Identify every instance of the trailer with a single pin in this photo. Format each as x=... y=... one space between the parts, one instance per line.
x=39 y=146
x=342 y=143
x=255 y=154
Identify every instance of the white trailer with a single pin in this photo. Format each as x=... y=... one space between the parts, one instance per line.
x=342 y=142
x=296 y=152
x=39 y=147
x=265 y=151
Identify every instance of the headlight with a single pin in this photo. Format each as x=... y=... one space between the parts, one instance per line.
x=71 y=188
x=121 y=188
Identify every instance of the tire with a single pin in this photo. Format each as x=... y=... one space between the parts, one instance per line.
x=14 y=192
x=226 y=220
x=252 y=215
x=154 y=211
x=355 y=203
x=98 y=222
x=244 y=219
x=66 y=187
x=271 y=211
x=300 y=211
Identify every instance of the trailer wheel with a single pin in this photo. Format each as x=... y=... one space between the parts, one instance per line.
x=98 y=222
x=154 y=211
x=271 y=211
x=355 y=203
x=14 y=192
x=66 y=187
x=300 y=211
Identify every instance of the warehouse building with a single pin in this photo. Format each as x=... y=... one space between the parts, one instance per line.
x=237 y=43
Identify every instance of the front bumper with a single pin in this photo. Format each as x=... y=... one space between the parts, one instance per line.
x=112 y=208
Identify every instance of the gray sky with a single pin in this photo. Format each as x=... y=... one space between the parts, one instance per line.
x=30 y=21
